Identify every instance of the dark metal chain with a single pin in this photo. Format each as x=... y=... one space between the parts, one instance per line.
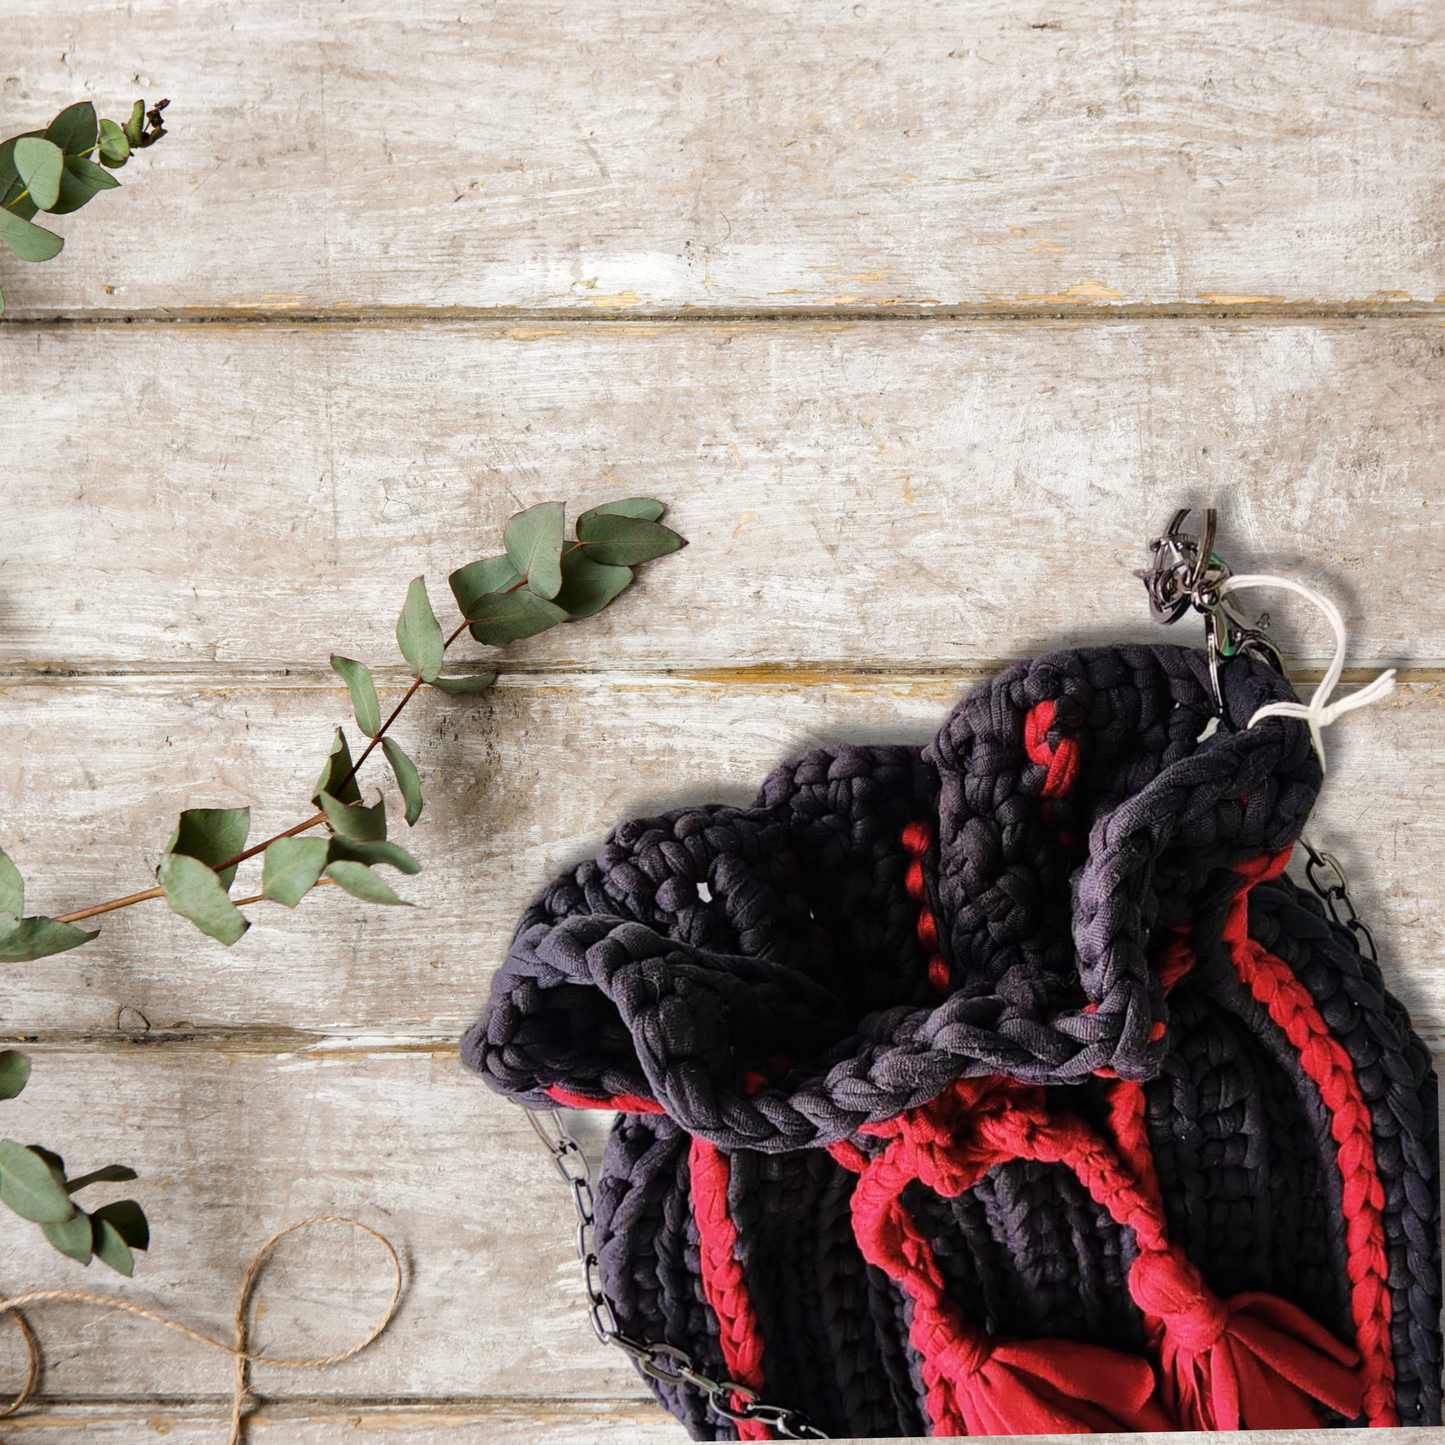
x=1328 y=878
x=665 y=1363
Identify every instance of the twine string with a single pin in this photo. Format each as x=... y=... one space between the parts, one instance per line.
x=241 y=1357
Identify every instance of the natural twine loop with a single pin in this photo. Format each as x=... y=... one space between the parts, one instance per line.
x=240 y=1355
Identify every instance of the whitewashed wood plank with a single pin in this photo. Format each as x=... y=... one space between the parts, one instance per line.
x=520 y=783
x=768 y=155
x=563 y=1423
x=940 y=492
x=231 y=1147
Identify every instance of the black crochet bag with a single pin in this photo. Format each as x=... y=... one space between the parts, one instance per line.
x=1001 y=1086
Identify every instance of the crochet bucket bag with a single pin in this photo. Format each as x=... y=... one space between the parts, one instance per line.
x=1005 y=1085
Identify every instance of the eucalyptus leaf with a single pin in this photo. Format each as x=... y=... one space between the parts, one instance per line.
x=114 y=147
x=290 y=868
x=71 y=1236
x=110 y=1174
x=371 y=853
x=9 y=176
x=648 y=508
x=128 y=1220
x=478 y=683
x=211 y=836
x=356 y=823
x=509 y=616
x=477 y=579
x=195 y=892
x=533 y=540
x=337 y=767
x=14 y=1071
x=358 y=880
x=74 y=129
x=109 y=1247
x=407 y=778
x=12 y=887
x=28 y=241
x=625 y=541
x=80 y=180
x=588 y=586
x=33 y=938
x=135 y=124
x=40 y=164
x=28 y=1185
x=18 y=203
x=357 y=677
x=417 y=633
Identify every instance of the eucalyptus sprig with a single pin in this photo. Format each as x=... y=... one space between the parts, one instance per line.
x=540 y=579
x=34 y=1184
x=53 y=170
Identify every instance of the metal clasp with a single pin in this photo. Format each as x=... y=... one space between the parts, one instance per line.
x=1187 y=573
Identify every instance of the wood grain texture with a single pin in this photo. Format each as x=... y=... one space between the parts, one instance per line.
x=940 y=493
x=231 y=1147
x=762 y=156
x=520 y=783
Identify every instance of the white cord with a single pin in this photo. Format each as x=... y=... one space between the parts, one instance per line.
x=1319 y=712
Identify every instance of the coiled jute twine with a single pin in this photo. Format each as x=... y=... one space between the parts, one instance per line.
x=241 y=1357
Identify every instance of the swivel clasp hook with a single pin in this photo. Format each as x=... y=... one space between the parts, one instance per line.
x=1188 y=574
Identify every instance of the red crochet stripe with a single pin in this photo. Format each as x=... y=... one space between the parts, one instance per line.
x=1062 y=760
x=723 y=1284
x=1273 y=984
x=625 y=1103
x=917 y=840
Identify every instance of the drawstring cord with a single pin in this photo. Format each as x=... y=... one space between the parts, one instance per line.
x=1319 y=712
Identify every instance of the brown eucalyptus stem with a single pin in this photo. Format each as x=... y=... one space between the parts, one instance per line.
x=311 y=822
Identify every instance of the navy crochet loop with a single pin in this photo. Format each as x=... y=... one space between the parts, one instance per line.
x=1066 y=895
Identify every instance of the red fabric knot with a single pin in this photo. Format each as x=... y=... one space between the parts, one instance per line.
x=1165 y=1284
x=1251 y=1362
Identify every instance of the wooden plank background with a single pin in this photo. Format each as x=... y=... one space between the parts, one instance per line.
x=922 y=318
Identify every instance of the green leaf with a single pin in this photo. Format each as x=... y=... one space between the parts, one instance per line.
x=134 y=126
x=29 y=242
x=477 y=579
x=361 y=882
x=195 y=892
x=29 y=1186
x=114 y=147
x=111 y=1174
x=71 y=1236
x=479 y=683
x=356 y=823
x=290 y=868
x=363 y=693
x=32 y=938
x=625 y=541
x=12 y=887
x=80 y=180
x=372 y=853
x=507 y=616
x=337 y=767
x=211 y=835
x=533 y=540
x=128 y=1220
x=109 y=1247
x=40 y=164
x=588 y=586
x=9 y=176
x=74 y=129
x=645 y=507
x=14 y=1071
x=406 y=779
x=417 y=632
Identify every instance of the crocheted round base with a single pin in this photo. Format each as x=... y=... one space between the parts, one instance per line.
x=1000 y=1086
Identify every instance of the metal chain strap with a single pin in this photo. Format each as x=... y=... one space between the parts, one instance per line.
x=1336 y=896
x=665 y=1363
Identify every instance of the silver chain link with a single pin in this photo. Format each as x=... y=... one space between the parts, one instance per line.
x=665 y=1363
x=1327 y=877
